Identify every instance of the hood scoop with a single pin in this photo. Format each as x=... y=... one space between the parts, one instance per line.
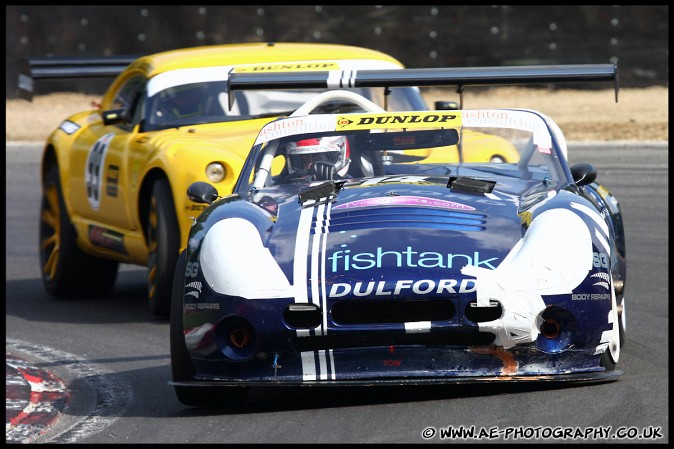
x=322 y=193
x=405 y=217
x=470 y=185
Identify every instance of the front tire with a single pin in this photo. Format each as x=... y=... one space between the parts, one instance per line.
x=67 y=271
x=163 y=241
x=610 y=357
x=182 y=368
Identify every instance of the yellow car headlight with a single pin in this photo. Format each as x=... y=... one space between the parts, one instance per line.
x=215 y=172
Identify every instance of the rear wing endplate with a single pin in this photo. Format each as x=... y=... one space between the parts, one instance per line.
x=427 y=77
x=31 y=69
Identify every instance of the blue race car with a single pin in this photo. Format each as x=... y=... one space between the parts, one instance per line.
x=361 y=248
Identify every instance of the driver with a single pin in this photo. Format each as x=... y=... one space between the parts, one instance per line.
x=185 y=101
x=322 y=159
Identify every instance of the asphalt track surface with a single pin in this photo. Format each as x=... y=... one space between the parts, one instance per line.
x=95 y=371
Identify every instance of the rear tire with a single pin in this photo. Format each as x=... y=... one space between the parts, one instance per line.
x=163 y=241
x=182 y=368
x=67 y=271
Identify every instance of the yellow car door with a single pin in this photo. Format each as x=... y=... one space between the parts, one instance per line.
x=97 y=177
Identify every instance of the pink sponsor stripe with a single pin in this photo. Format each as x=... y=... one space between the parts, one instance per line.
x=404 y=201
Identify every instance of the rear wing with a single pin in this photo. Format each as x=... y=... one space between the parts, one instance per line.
x=450 y=76
x=31 y=69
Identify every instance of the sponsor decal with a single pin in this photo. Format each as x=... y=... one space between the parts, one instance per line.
x=599 y=260
x=411 y=179
x=134 y=176
x=606 y=196
x=202 y=306
x=112 y=180
x=404 y=201
x=289 y=67
x=106 y=238
x=590 y=296
x=93 y=175
x=402 y=287
x=392 y=120
x=292 y=126
x=195 y=207
x=603 y=280
x=484 y=116
x=192 y=270
x=208 y=306
x=602 y=191
x=525 y=218
x=510 y=119
x=199 y=305
x=407 y=179
x=344 y=260
x=196 y=289
x=69 y=127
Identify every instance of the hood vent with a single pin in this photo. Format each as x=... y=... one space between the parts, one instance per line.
x=406 y=217
x=471 y=185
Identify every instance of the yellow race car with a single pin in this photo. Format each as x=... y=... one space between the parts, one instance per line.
x=114 y=178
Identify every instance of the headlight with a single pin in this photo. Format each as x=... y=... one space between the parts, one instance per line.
x=215 y=172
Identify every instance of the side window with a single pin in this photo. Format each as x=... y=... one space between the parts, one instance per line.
x=128 y=95
x=138 y=107
x=126 y=92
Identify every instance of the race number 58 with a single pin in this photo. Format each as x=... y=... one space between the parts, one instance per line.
x=600 y=260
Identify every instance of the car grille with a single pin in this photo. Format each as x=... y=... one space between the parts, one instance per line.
x=383 y=312
x=344 y=340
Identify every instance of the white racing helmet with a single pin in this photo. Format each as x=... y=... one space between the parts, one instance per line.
x=334 y=150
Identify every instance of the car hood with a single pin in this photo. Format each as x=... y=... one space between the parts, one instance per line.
x=397 y=229
x=238 y=134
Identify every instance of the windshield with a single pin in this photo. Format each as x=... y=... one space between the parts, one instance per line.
x=193 y=96
x=513 y=145
x=207 y=102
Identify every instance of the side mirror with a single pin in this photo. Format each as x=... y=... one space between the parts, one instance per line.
x=112 y=116
x=202 y=192
x=446 y=106
x=583 y=173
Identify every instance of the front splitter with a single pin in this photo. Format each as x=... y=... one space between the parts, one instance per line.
x=590 y=377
